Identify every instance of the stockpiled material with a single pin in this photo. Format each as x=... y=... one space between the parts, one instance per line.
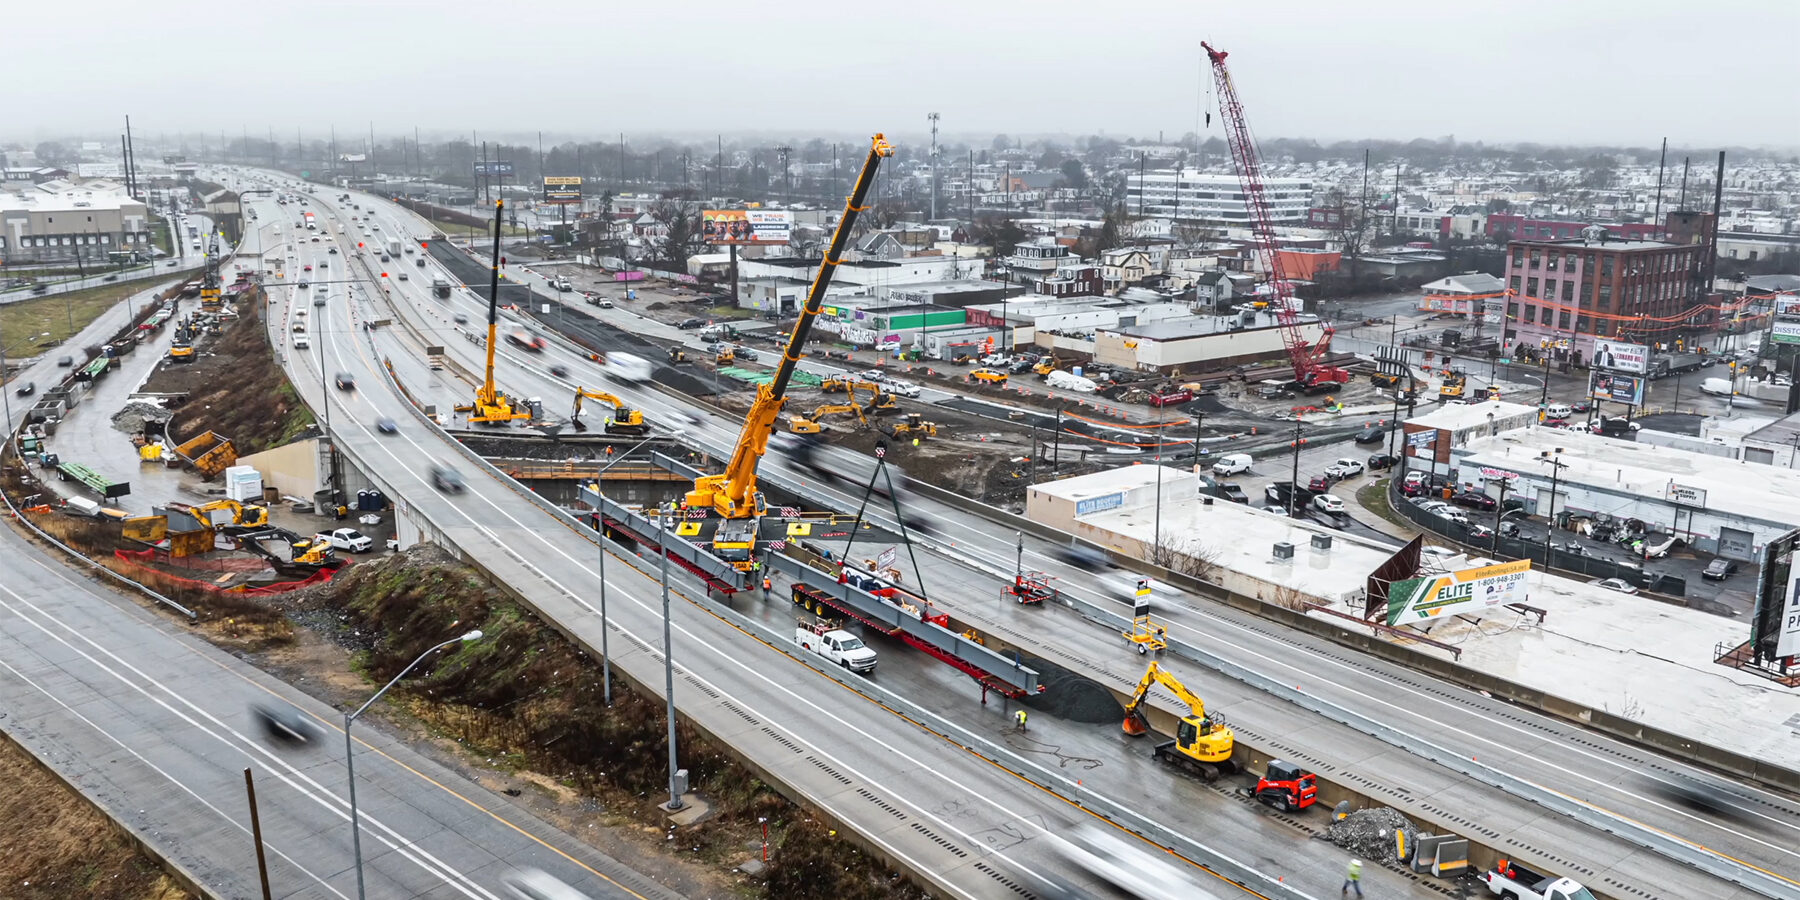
x=1369 y=833
x=1067 y=695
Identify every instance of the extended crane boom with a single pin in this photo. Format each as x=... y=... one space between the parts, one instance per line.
x=1305 y=357
x=490 y=405
x=732 y=493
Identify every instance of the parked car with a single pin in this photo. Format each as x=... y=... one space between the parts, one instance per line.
x=1719 y=569
x=1615 y=584
x=1475 y=500
x=690 y=324
x=1231 y=491
x=348 y=539
x=1328 y=503
x=1380 y=461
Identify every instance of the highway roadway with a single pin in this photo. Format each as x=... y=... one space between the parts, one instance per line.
x=1550 y=752
x=969 y=824
x=154 y=724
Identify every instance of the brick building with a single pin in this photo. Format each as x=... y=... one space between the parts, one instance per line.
x=1566 y=293
x=1520 y=228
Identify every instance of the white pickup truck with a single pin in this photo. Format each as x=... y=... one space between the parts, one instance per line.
x=1515 y=882
x=348 y=539
x=836 y=645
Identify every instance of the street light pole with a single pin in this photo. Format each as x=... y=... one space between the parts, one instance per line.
x=662 y=546
x=350 y=749
x=1294 y=486
x=1556 y=467
x=600 y=527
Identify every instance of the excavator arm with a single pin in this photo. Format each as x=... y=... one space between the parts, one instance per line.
x=732 y=493
x=1155 y=675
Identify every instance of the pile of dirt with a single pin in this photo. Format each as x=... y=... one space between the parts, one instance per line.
x=236 y=389
x=526 y=694
x=1068 y=695
x=59 y=846
x=1369 y=833
x=131 y=417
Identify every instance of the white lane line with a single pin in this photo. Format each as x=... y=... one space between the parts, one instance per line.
x=244 y=829
x=218 y=730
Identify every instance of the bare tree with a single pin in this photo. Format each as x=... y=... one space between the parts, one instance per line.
x=1186 y=555
x=680 y=218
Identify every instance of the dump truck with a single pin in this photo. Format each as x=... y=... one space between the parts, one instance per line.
x=209 y=453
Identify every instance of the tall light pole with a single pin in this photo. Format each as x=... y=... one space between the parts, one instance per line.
x=662 y=546
x=1554 y=458
x=600 y=526
x=350 y=749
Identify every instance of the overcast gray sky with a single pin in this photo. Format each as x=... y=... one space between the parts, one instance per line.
x=1592 y=71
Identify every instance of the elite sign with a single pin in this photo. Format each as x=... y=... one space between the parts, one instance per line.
x=1417 y=599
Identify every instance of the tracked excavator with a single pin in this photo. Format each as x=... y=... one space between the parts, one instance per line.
x=491 y=407
x=1202 y=743
x=733 y=494
x=624 y=419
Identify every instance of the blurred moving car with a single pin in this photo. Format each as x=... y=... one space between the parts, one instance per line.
x=537 y=884
x=283 y=723
x=447 y=479
x=386 y=425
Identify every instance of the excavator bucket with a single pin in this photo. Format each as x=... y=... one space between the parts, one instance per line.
x=1135 y=725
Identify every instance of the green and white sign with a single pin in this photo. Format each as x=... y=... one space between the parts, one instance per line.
x=1417 y=599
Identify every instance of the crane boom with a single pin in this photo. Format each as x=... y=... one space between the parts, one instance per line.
x=733 y=494
x=1305 y=357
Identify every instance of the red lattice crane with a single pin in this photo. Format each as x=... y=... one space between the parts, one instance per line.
x=1308 y=370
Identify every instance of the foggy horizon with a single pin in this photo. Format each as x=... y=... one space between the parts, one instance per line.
x=1604 y=73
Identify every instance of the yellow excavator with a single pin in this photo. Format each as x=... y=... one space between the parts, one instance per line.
x=733 y=493
x=491 y=407
x=1202 y=743
x=809 y=424
x=624 y=419
x=248 y=515
x=914 y=425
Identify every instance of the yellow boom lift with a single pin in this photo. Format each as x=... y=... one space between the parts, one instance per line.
x=1202 y=743
x=624 y=420
x=733 y=494
x=491 y=406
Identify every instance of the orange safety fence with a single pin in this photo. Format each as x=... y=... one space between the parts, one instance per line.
x=1163 y=424
x=140 y=559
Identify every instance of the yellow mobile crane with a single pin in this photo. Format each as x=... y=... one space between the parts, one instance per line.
x=210 y=297
x=1202 y=743
x=733 y=493
x=491 y=406
x=625 y=420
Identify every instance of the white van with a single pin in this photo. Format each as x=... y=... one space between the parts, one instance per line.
x=1232 y=464
x=1558 y=411
x=300 y=342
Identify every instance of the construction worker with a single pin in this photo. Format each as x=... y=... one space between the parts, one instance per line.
x=768 y=585
x=1019 y=721
x=1353 y=876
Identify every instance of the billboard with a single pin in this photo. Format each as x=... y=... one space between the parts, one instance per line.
x=746 y=226
x=1619 y=355
x=501 y=167
x=1781 y=332
x=1101 y=503
x=562 y=189
x=353 y=157
x=1418 y=599
x=1787 y=305
x=1616 y=388
x=1685 y=495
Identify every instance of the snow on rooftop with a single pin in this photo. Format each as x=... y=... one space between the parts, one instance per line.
x=1459 y=417
x=1732 y=486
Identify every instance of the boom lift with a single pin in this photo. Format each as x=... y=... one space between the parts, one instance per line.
x=1308 y=370
x=733 y=494
x=1202 y=743
x=624 y=420
x=491 y=406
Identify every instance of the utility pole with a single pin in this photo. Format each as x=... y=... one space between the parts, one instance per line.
x=787 y=179
x=934 y=164
x=1294 y=486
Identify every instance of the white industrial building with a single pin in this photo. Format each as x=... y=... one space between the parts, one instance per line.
x=1721 y=506
x=1188 y=194
x=1198 y=342
x=62 y=221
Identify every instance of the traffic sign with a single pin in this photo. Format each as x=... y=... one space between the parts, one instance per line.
x=1143 y=587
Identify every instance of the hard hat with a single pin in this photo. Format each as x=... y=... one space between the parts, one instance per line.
x=1356 y=862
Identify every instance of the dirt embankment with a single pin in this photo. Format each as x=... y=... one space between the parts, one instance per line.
x=235 y=388
x=530 y=700
x=58 y=846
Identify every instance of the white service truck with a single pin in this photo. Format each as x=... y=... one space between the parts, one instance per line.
x=836 y=645
x=628 y=367
x=1515 y=882
x=393 y=247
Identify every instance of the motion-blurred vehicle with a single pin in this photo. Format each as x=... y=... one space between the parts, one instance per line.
x=537 y=884
x=1615 y=584
x=283 y=723
x=1083 y=557
x=447 y=479
x=1130 y=865
x=1703 y=797
x=386 y=425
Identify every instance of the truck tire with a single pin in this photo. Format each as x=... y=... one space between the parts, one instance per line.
x=845 y=663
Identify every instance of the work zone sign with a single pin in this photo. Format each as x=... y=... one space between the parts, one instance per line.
x=1417 y=599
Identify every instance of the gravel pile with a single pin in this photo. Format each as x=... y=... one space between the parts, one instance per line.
x=1368 y=833
x=1070 y=696
x=131 y=417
